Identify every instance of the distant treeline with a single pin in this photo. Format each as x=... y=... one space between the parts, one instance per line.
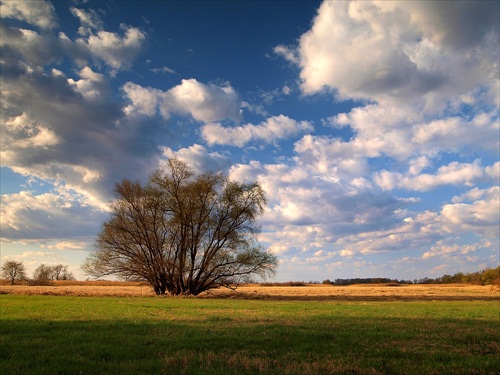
x=489 y=276
x=366 y=280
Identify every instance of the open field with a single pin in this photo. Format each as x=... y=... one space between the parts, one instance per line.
x=434 y=330
x=256 y=291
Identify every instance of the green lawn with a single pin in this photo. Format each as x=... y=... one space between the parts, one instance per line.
x=87 y=335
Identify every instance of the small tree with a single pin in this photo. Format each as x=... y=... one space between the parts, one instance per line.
x=182 y=233
x=13 y=271
x=43 y=273
x=61 y=272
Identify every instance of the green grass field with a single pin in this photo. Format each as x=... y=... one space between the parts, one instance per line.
x=105 y=335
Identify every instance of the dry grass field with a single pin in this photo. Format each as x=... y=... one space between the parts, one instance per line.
x=368 y=292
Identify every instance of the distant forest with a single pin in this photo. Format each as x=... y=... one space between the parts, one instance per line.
x=489 y=276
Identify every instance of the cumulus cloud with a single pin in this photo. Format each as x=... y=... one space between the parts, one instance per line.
x=53 y=127
x=58 y=214
x=443 y=249
x=198 y=158
x=39 y=13
x=457 y=133
x=403 y=131
x=317 y=217
x=205 y=103
x=299 y=196
x=91 y=85
x=274 y=128
x=21 y=132
x=399 y=51
x=436 y=231
x=115 y=51
x=452 y=174
x=413 y=140
x=479 y=216
x=28 y=46
x=118 y=52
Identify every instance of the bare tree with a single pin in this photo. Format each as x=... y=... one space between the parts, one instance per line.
x=184 y=234
x=13 y=271
x=43 y=273
x=61 y=272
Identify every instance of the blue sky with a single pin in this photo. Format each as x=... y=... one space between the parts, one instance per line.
x=372 y=126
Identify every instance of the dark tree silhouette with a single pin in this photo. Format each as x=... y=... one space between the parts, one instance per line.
x=182 y=233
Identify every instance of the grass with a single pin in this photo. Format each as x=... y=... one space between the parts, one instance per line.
x=105 y=335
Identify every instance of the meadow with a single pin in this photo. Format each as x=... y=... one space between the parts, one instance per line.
x=452 y=330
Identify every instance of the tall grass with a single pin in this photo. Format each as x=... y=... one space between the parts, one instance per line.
x=72 y=335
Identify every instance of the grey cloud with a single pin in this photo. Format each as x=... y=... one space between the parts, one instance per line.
x=38 y=13
x=460 y=24
x=29 y=46
x=96 y=145
x=47 y=216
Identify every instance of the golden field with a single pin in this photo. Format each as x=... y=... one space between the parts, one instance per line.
x=368 y=292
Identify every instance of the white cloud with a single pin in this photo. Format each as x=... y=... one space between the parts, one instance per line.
x=88 y=19
x=493 y=172
x=310 y=213
x=198 y=158
x=273 y=129
x=452 y=174
x=379 y=130
x=163 y=69
x=205 y=103
x=480 y=216
x=403 y=133
x=399 y=51
x=116 y=51
x=40 y=13
x=287 y=53
x=456 y=133
x=332 y=158
x=442 y=249
x=22 y=132
x=91 y=85
x=143 y=100
x=68 y=245
x=299 y=196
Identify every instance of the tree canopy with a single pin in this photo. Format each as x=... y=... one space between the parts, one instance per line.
x=13 y=271
x=182 y=233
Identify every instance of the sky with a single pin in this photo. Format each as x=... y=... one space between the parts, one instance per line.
x=371 y=125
